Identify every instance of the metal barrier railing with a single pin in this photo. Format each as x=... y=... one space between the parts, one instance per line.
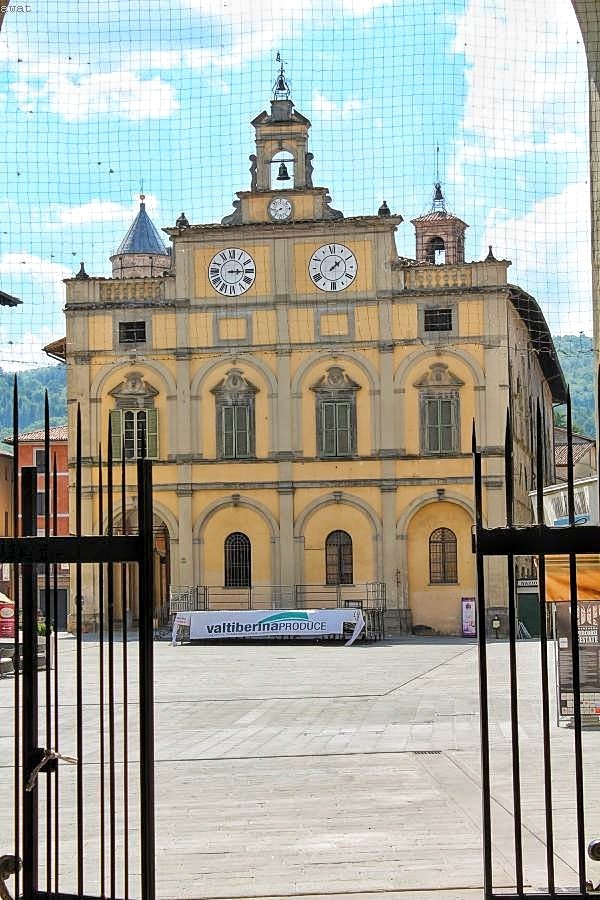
x=369 y=595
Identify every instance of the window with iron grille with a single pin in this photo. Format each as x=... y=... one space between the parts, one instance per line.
x=442 y=557
x=437 y=319
x=237 y=561
x=338 y=558
x=440 y=422
x=136 y=430
x=132 y=332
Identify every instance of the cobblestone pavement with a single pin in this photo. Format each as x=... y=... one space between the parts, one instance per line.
x=319 y=771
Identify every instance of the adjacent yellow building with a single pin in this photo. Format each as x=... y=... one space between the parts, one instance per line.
x=308 y=396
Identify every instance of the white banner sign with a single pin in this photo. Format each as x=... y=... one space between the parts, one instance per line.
x=306 y=623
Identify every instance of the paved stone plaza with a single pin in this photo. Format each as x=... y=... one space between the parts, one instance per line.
x=323 y=771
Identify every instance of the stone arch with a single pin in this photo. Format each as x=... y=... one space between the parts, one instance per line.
x=437 y=605
x=97 y=393
x=415 y=358
x=165 y=552
x=333 y=499
x=204 y=373
x=162 y=372
x=233 y=500
x=159 y=510
x=298 y=385
x=424 y=500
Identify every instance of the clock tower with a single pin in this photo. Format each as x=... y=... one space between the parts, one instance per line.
x=307 y=396
x=281 y=171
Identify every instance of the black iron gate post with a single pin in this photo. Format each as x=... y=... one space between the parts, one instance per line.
x=146 y=678
x=538 y=541
x=29 y=553
x=29 y=745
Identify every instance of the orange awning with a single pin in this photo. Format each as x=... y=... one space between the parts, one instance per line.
x=558 y=589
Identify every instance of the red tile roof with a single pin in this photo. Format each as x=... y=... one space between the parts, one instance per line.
x=57 y=433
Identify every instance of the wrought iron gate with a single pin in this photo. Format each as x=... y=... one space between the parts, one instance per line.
x=538 y=541
x=107 y=848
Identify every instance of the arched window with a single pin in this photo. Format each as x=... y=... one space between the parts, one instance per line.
x=436 y=251
x=282 y=171
x=338 y=558
x=442 y=557
x=237 y=561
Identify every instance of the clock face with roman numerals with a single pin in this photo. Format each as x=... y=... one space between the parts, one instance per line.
x=332 y=267
x=231 y=271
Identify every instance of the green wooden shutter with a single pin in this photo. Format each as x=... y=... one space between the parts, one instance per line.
x=242 y=433
x=227 y=434
x=116 y=425
x=432 y=437
x=328 y=441
x=152 y=433
x=343 y=428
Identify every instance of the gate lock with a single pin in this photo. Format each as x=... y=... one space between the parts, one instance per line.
x=47 y=761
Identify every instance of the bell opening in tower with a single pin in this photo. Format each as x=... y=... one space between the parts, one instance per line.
x=436 y=251
x=282 y=171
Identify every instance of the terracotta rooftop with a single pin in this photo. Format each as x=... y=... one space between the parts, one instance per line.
x=57 y=433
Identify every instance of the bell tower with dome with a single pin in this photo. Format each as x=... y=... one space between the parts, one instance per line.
x=440 y=235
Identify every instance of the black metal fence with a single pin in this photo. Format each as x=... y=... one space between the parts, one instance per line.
x=538 y=541
x=73 y=722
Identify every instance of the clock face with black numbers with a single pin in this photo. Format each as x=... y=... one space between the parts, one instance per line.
x=232 y=271
x=332 y=267
x=280 y=209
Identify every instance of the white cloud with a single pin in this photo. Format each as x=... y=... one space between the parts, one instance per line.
x=47 y=275
x=101 y=211
x=331 y=110
x=550 y=251
x=523 y=63
x=257 y=27
x=26 y=351
x=76 y=96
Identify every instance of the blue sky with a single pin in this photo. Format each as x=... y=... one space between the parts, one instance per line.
x=164 y=92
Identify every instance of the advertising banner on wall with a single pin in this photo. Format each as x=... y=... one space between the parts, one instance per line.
x=265 y=623
x=7 y=617
x=469 y=616
x=588 y=633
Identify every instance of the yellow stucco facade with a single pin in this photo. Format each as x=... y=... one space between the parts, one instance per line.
x=303 y=404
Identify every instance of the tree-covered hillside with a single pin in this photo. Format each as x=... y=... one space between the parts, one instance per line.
x=578 y=362
x=32 y=383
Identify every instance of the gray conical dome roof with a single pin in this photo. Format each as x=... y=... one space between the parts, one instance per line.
x=142 y=236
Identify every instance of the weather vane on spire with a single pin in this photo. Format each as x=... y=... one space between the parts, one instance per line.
x=439 y=202
x=281 y=89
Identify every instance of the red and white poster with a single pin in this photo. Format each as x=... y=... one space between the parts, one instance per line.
x=469 y=617
x=7 y=618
